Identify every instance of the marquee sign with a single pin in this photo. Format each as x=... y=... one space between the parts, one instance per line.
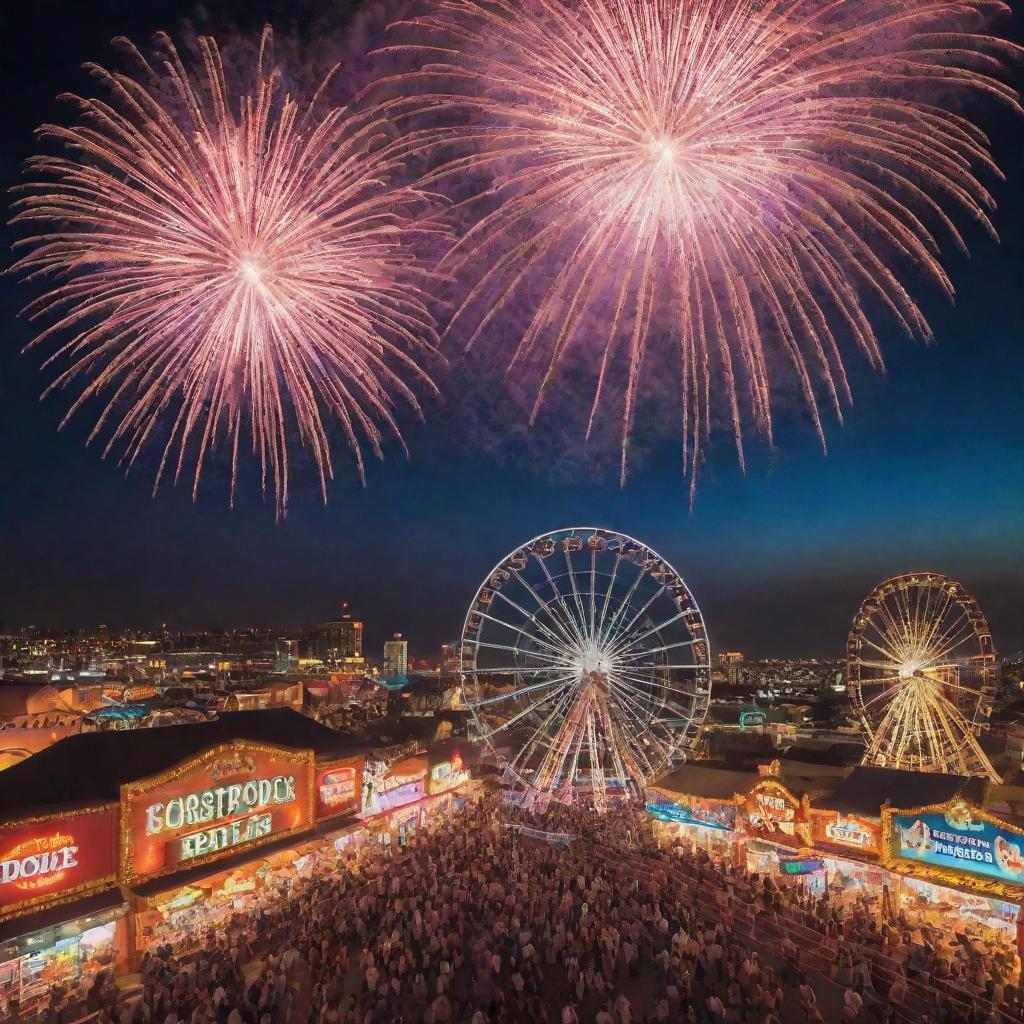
x=852 y=832
x=55 y=858
x=956 y=843
x=339 y=787
x=227 y=799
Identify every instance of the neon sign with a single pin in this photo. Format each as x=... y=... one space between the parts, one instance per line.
x=220 y=802
x=47 y=860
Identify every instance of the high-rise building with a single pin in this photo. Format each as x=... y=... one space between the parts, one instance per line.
x=396 y=656
x=340 y=641
x=451 y=660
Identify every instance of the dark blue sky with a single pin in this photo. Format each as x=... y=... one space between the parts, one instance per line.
x=927 y=472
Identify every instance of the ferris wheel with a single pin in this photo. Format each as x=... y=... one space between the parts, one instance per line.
x=921 y=670
x=586 y=666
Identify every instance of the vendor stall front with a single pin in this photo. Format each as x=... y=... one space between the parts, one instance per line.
x=59 y=908
x=962 y=869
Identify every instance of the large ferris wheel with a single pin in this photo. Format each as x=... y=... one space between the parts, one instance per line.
x=921 y=671
x=586 y=666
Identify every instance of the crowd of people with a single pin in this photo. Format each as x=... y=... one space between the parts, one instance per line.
x=491 y=916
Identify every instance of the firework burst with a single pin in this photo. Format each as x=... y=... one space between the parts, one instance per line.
x=226 y=266
x=761 y=174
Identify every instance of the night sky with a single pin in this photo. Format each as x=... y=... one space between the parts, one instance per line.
x=927 y=472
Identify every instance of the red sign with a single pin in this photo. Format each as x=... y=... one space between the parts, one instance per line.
x=339 y=788
x=51 y=859
x=229 y=798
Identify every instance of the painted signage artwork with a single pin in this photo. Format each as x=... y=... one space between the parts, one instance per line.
x=689 y=810
x=771 y=811
x=231 y=796
x=959 y=841
x=846 y=830
x=338 y=788
x=48 y=860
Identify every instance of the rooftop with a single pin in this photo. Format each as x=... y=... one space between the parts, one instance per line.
x=92 y=767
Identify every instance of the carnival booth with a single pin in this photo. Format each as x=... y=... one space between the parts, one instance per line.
x=180 y=832
x=698 y=805
x=962 y=871
x=61 y=915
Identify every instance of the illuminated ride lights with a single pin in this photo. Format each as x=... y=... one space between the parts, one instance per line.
x=921 y=671
x=586 y=666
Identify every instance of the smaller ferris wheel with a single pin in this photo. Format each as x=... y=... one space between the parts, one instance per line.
x=920 y=665
x=586 y=666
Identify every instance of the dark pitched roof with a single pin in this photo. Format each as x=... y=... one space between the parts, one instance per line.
x=91 y=767
x=717 y=782
x=840 y=753
x=866 y=788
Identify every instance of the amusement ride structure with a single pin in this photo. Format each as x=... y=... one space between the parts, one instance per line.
x=921 y=672
x=586 y=666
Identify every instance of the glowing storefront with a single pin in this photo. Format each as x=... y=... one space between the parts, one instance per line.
x=60 y=912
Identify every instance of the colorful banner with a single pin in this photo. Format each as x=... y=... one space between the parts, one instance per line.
x=692 y=810
x=959 y=839
x=227 y=799
x=47 y=860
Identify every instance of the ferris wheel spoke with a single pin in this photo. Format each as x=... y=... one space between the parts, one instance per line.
x=593 y=588
x=625 y=633
x=558 y=639
x=608 y=595
x=610 y=630
x=659 y=650
x=511 y=695
x=643 y=731
x=570 y=636
x=574 y=584
x=515 y=650
x=520 y=670
x=521 y=631
x=634 y=640
x=960 y=632
x=530 y=746
x=891 y=656
x=570 y=619
x=690 y=695
x=526 y=711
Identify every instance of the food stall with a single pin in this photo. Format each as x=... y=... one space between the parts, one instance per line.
x=61 y=915
x=961 y=874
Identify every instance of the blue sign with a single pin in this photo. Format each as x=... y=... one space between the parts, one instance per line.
x=955 y=840
x=687 y=811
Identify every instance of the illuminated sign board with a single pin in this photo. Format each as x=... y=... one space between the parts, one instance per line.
x=448 y=774
x=384 y=789
x=47 y=860
x=230 y=797
x=957 y=842
x=845 y=830
x=338 y=787
x=772 y=812
x=691 y=810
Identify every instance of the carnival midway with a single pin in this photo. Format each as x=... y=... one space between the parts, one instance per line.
x=573 y=857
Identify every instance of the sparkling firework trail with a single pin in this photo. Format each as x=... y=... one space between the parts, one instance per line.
x=766 y=171
x=227 y=264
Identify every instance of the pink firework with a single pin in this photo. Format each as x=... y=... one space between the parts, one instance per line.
x=227 y=266
x=755 y=174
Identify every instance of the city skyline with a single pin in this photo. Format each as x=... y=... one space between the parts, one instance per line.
x=926 y=473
